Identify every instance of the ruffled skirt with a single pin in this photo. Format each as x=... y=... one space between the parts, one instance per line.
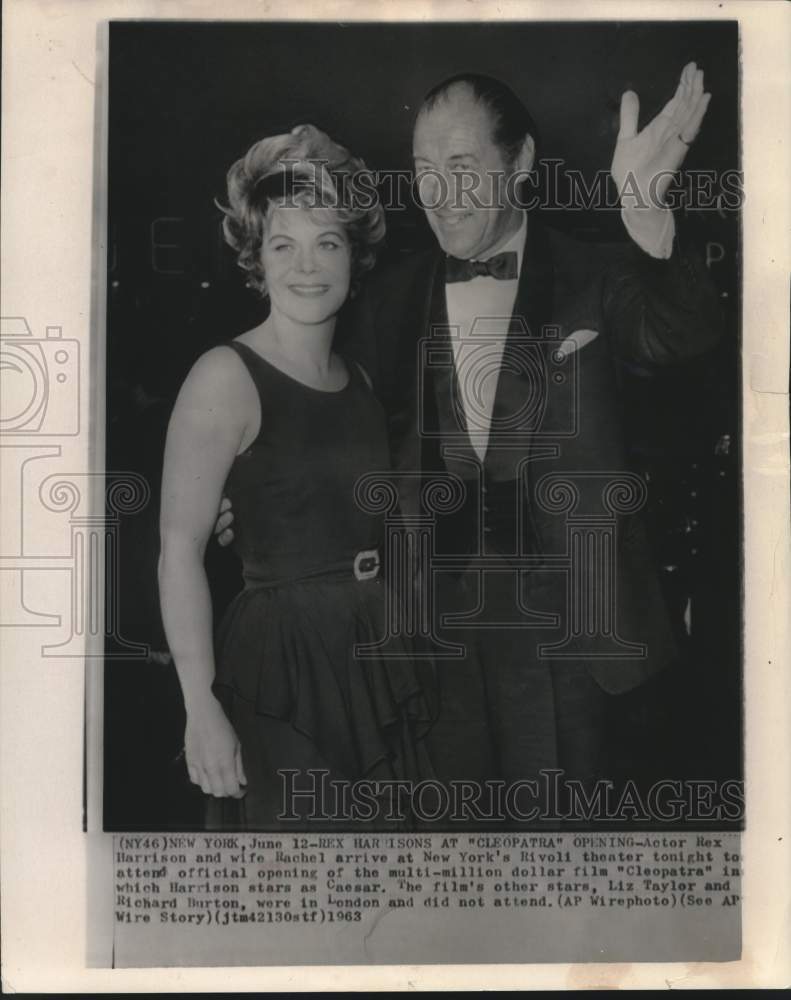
x=310 y=654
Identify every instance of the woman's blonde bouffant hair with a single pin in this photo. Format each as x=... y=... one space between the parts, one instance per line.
x=305 y=168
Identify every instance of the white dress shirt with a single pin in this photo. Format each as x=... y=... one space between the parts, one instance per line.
x=479 y=314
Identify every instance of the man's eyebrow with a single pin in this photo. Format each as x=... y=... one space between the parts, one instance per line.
x=451 y=159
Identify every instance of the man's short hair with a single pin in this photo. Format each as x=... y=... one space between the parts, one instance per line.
x=511 y=121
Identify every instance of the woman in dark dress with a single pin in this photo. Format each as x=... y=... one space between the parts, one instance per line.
x=285 y=427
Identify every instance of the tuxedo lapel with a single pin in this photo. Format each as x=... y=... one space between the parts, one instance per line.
x=533 y=306
x=521 y=389
x=457 y=453
x=437 y=379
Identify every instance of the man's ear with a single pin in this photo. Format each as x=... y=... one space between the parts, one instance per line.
x=526 y=155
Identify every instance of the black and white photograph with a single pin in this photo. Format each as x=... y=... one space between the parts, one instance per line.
x=395 y=550
x=425 y=339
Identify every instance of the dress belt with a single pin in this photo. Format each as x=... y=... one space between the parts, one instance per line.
x=364 y=566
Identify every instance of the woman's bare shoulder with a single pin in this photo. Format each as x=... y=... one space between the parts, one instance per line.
x=218 y=386
x=217 y=370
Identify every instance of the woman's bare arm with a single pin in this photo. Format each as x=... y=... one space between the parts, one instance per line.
x=209 y=421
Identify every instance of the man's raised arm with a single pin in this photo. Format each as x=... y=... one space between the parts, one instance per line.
x=661 y=305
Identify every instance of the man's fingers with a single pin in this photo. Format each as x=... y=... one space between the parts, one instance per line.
x=225 y=504
x=670 y=108
x=225 y=537
x=691 y=127
x=697 y=86
x=677 y=108
x=693 y=91
x=630 y=110
x=223 y=521
x=672 y=105
x=687 y=76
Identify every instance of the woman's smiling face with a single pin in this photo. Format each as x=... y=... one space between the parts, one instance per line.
x=307 y=259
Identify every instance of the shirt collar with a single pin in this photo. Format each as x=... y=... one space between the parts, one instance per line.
x=515 y=243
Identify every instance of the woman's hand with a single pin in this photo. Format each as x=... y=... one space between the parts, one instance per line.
x=213 y=752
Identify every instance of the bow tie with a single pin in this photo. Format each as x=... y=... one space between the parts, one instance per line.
x=502 y=266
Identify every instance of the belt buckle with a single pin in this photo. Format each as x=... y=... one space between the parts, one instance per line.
x=366 y=564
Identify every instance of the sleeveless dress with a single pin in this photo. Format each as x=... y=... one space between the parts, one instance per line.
x=286 y=670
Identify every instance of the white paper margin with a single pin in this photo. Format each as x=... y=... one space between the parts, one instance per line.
x=48 y=247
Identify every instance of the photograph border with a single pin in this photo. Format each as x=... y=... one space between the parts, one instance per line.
x=48 y=934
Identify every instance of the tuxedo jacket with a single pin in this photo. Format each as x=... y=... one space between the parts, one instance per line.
x=557 y=441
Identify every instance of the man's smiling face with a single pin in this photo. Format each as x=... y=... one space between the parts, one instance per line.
x=460 y=172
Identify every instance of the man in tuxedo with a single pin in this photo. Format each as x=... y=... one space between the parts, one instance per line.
x=496 y=355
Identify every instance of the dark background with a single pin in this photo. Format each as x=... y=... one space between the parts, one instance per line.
x=187 y=99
